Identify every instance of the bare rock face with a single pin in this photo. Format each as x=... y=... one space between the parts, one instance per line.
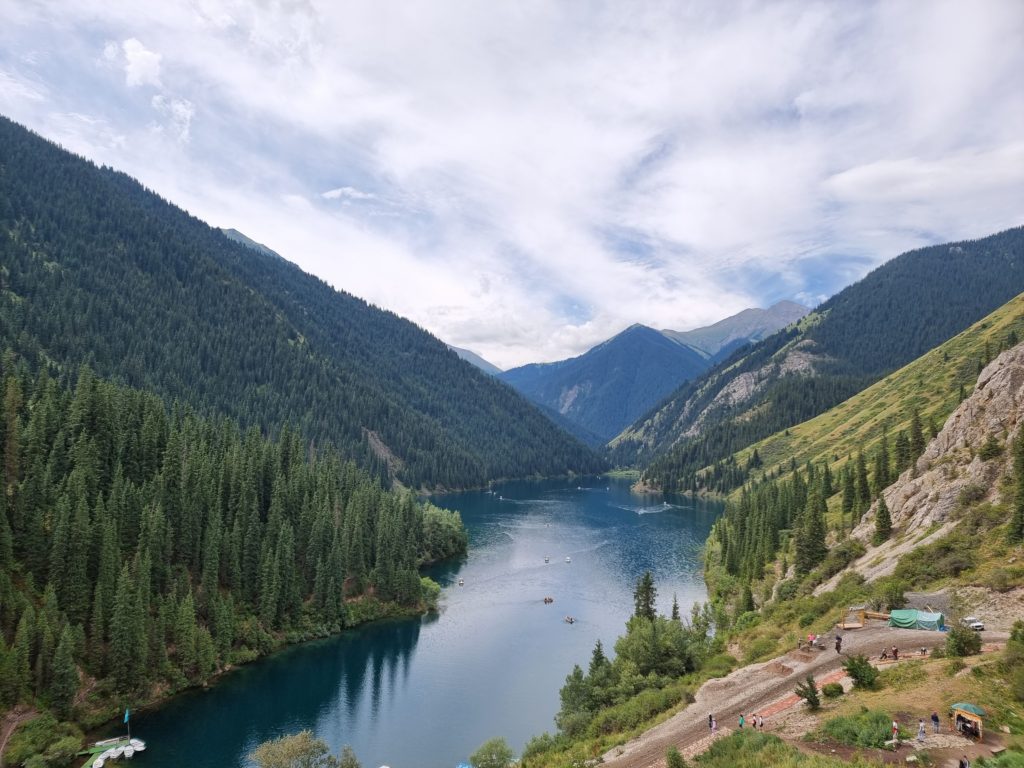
x=924 y=498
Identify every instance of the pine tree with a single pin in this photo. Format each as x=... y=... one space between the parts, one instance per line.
x=64 y=682
x=849 y=498
x=810 y=537
x=644 y=597
x=675 y=608
x=125 y=641
x=883 y=522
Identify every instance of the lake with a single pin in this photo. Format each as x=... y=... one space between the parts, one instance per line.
x=426 y=693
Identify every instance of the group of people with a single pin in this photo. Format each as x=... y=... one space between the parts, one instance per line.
x=756 y=722
x=894 y=654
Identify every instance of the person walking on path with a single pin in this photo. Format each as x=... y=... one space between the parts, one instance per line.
x=714 y=725
x=920 y=731
x=742 y=721
x=964 y=762
x=760 y=723
x=895 y=653
x=839 y=643
x=895 y=735
x=711 y=722
x=935 y=721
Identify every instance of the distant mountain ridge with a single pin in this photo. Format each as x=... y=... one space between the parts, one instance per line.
x=472 y=357
x=721 y=338
x=97 y=270
x=608 y=387
x=893 y=315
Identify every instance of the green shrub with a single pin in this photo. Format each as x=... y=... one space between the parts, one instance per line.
x=832 y=690
x=990 y=449
x=673 y=759
x=949 y=556
x=861 y=672
x=719 y=665
x=45 y=737
x=806 y=619
x=961 y=641
x=868 y=728
x=761 y=647
x=954 y=666
x=1017 y=683
x=787 y=590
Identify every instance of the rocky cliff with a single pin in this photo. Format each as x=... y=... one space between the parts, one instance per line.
x=925 y=500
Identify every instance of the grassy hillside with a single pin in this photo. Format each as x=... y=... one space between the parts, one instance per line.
x=931 y=385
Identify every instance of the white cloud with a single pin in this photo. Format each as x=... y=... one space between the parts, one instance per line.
x=347 y=193
x=178 y=113
x=141 y=66
x=528 y=178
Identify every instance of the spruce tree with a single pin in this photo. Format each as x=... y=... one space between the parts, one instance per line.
x=644 y=597
x=64 y=682
x=849 y=498
x=883 y=522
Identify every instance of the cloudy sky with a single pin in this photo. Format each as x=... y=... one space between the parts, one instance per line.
x=527 y=178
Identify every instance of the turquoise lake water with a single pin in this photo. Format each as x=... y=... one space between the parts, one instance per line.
x=426 y=693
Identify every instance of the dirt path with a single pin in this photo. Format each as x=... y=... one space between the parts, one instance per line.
x=12 y=720
x=765 y=688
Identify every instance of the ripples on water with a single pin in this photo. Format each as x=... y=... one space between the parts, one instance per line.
x=420 y=694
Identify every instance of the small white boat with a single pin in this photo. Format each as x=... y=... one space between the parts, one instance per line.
x=547 y=559
x=98 y=762
x=462 y=582
x=129 y=752
x=568 y=559
x=137 y=744
x=116 y=753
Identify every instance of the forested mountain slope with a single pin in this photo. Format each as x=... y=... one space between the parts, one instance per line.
x=609 y=386
x=96 y=269
x=150 y=548
x=895 y=314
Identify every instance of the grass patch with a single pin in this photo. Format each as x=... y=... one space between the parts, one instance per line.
x=747 y=749
x=867 y=728
x=903 y=676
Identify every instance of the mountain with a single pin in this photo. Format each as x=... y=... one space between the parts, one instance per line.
x=721 y=338
x=893 y=315
x=609 y=387
x=96 y=269
x=472 y=357
x=606 y=388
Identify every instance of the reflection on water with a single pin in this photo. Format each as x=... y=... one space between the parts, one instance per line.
x=425 y=693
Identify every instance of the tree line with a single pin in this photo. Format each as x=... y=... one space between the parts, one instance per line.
x=143 y=545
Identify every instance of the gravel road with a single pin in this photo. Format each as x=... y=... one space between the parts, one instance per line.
x=759 y=686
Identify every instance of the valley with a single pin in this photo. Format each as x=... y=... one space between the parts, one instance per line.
x=511 y=385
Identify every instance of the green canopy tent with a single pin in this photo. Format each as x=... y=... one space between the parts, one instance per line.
x=910 y=618
x=968 y=718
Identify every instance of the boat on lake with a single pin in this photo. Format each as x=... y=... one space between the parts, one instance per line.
x=462 y=582
x=568 y=559
x=547 y=559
